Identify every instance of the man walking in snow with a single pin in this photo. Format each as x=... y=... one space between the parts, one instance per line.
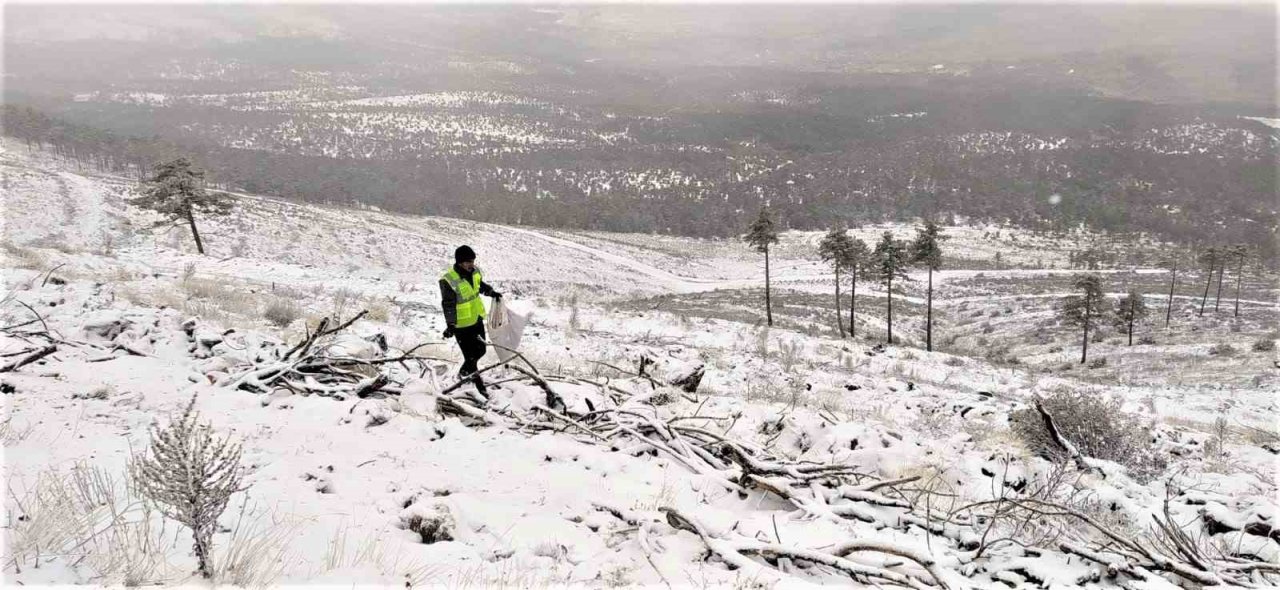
x=460 y=291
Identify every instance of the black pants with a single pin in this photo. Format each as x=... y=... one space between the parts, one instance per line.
x=471 y=342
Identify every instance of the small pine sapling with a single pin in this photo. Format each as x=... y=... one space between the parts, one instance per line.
x=191 y=476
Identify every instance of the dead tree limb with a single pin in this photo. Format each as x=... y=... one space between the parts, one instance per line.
x=31 y=358
x=1059 y=439
x=735 y=553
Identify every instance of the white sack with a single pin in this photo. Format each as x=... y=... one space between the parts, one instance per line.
x=505 y=328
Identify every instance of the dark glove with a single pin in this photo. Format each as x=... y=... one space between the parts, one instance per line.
x=448 y=332
x=495 y=295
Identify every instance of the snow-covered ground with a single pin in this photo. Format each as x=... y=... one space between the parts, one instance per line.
x=333 y=484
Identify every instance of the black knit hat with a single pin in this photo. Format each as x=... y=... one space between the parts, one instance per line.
x=463 y=254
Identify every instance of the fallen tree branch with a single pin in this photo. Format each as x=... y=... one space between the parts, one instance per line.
x=1059 y=439
x=735 y=553
x=31 y=358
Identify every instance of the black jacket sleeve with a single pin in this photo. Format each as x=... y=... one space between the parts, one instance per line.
x=448 y=303
x=485 y=289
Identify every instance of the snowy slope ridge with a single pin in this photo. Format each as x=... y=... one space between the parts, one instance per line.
x=267 y=236
x=576 y=490
x=799 y=460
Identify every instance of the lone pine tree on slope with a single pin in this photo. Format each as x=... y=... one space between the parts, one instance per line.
x=760 y=234
x=176 y=191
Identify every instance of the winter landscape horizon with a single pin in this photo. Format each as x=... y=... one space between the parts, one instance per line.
x=662 y=296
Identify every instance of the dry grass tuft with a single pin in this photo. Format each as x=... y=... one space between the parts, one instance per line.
x=19 y=257
x=84 y=516
x=372 y=552
x=281 y=312
x=12 y=435
x=379 y=310
x=257 y=554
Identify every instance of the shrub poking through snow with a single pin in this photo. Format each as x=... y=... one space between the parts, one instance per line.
x=281 y=312
x=342 y=302
x=379 y=310
x=430 y=530
x=432 y=523
x=191 y=475
x=1264 y=344
x=1096 y=425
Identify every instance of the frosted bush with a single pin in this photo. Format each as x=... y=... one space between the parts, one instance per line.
x=1096 y=425
x=192 y=476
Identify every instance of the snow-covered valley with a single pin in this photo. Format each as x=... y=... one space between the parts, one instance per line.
x=799 y=459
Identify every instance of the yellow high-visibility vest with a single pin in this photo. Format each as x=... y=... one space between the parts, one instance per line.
x=470 y=307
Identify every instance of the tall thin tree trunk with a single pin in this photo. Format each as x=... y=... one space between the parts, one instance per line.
x=839 y=318
x=1218 y=298
x=1209 y=283
x=195 y=233
x=768 y=305
x=1168 y=312
x=853 y=303
x=928 y=324
x=889 y=302
x=1084 y=344
x=1239 y=277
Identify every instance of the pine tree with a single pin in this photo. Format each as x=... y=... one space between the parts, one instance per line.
x=760 y=234
x=926 y=251
x=888 y=262
x=859 y=258
x=1130 y=309
x=1084 y=310
x=176 y=191
x=834 y=249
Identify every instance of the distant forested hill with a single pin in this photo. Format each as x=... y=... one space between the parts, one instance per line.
x=682 y=119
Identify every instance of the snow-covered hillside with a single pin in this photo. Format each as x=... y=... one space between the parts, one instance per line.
x=801 y=458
